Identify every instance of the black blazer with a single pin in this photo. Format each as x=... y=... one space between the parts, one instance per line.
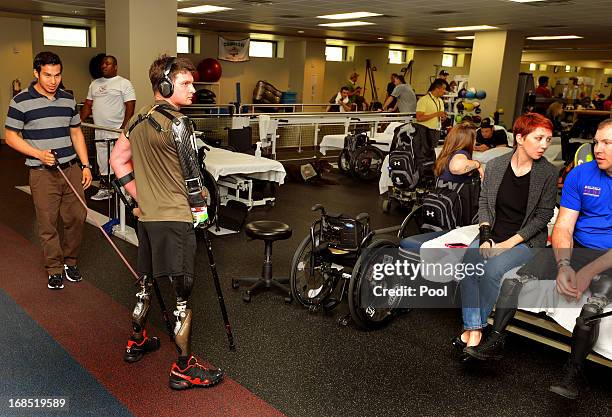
x=540 y=203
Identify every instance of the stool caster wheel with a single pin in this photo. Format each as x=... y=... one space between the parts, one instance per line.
x=246 y=297
x=313 y=308
x=235 y=284
x=288 y=299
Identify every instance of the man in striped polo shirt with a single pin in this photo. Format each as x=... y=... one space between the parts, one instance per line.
x=43 y=124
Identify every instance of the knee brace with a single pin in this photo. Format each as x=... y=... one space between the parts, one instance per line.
x=182 y=286
x=182 y=332
x=141 y=309
x=585 y=334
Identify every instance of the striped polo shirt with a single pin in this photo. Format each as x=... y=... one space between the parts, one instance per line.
x=44 y=123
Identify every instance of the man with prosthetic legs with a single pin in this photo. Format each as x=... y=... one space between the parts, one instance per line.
x=155 y=160
x=580 y=261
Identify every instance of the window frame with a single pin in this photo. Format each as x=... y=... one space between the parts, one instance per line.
x=272 y=42
x=87 y=30
x=403 y=59
x=454 y=58
x=190 y=45
x=344 y=50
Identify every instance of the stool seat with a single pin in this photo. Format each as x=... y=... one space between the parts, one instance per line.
x=268 y=230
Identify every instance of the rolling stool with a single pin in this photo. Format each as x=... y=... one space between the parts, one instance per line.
x=268 y=231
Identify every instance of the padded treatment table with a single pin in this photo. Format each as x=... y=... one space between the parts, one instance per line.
x=235 y=171
x=384 y=139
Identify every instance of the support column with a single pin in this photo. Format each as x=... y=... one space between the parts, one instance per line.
x=495 y=66
x=138 y=31
x=314 y=72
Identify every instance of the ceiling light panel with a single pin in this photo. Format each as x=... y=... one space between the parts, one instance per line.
x=345 y=24
x=553 y=38
x=345 y=16
x=203 y=9
x=467 y=28
x=465 y=37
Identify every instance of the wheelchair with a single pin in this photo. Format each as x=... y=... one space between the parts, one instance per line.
x=360 y=158
x=329 y=256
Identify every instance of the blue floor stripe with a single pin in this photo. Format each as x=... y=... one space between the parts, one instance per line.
x=33 y=365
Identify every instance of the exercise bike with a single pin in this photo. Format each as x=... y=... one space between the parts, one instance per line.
x=329 y=256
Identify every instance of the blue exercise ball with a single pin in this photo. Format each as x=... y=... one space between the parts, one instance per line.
x=480 y=94
x=470 y=94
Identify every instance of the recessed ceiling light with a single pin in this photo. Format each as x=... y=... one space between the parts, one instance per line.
x=525 y=1
x=465 y=37
x=354 y=15
x=204 y=9
x=380 y=39
x=345 y=24
x=462 y=28
x=553 y=38
x=300 y=31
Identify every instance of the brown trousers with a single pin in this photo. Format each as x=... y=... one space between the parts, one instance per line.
x=53 y=199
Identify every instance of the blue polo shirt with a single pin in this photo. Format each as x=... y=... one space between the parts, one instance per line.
x=588 y=190
x=44 y=123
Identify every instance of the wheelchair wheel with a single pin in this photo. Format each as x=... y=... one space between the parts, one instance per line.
x=310 y=282
x=344 y=161
x=412 y=221
x=369 y=317
x=366 y=162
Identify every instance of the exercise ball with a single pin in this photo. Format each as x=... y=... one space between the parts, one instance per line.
x=210 y=70
x=477 y=119
x=470 y=94
x=458 y=118
x=472 y=90
x=196 y=76
x=481 y=94
x=460 y=106
x=476 y=104
x=468 y=106
x=477 y=110
x=461 y=93
x=95 y=66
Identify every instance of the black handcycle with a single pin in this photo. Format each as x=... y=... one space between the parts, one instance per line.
x=360 y=157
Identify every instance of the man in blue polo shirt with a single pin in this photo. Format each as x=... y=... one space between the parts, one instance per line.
x=43 y=124
x=582 y=246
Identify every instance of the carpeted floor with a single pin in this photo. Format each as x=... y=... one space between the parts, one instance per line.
x=300 y=364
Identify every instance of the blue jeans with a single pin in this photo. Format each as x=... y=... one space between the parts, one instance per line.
x=479 y=291
x=413 y=243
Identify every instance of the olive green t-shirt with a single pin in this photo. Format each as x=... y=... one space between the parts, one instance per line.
x=159 y=181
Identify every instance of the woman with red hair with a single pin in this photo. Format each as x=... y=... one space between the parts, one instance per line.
x=516 y=203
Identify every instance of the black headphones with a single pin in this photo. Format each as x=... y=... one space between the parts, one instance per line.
x=166 y=87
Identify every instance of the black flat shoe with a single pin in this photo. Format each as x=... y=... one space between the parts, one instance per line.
x=458 y=344
x=465 y=358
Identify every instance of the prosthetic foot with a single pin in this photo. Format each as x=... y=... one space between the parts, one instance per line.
x=140 y=344
x=187 y=372
x=136 y=349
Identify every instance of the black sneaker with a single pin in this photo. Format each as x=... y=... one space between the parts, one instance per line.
x=134 y=351
x=194 y=375
x=72 y=273
x=491 y=348
x=55 y=282
x=569 y=386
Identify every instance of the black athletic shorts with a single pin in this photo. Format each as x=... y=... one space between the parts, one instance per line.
x=166 y=249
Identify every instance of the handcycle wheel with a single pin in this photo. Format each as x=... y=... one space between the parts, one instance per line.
x=344 y=161
x=309 y=283
x=366 y=162
x=368 y=317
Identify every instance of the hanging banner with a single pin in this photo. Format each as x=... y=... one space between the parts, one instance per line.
x=235 y=51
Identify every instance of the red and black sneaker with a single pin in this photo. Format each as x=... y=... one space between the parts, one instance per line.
x=194 y=375
x=135 y=350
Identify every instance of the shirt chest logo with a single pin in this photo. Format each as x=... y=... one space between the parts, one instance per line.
x=591 y=190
